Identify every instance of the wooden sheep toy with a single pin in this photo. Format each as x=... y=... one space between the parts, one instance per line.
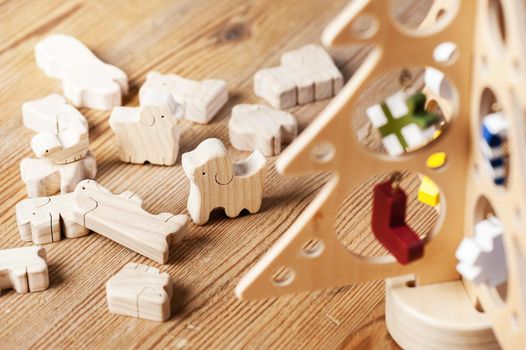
x=146 y=134
x=216 y=182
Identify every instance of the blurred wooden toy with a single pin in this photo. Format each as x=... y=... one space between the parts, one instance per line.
x=260 y=127
x=403 y=122
x=146 y=134
x=200 y=100
x=428 y=192
x=24 y=269
x=122 y=219
x=86 y=80
x=216 y=182
x=140 y=291
x=388 y=222
x=42 y=114
x=47 y=219
x=304 y=76
x=494 y=131
x=482 y=258
x=432 y=308
x=44 y=177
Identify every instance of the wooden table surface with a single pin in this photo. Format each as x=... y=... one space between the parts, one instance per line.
x=226 y=39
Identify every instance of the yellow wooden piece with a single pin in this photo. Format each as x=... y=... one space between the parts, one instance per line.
x=436 y=160
x=428 y=192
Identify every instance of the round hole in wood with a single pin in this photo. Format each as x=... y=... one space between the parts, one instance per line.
x=283 y=276
x=365 y=26
x=312 y=248
x=323 y=152
x=497 y=21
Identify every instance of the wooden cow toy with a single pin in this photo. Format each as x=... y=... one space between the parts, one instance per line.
x=146 y=134
x=200 y=100
x=215 y=182
x=140 y=291
x=46 y=219
x=260 y=127
x=122 y=219
x=44 y=177
x=86 y=80
x=24 y=269
x=304 y=76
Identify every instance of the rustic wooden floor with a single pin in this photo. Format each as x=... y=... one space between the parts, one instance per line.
x=227 y=39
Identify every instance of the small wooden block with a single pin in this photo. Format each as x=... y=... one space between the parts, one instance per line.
x=146 y=134
x=122 y=219
x=46 y=219
x=140 y=291
x=482 y=258
x=215 y=182
x=86 y=80
x=44 y=177
x=200 y=100
x=494 y=133
x=253 y=127
x=304 y=76
x=24 y=269
x=428 y=192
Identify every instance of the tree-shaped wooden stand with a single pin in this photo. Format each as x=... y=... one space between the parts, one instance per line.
x=431 y=307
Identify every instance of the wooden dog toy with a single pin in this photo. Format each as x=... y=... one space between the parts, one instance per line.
x=47 y=219
x=86 y=80
x=122 y=219
x=403 y=122
x=24 y=269
x=146 y=134
x=44 y=177
x=304 y=76
x=260 y=127
x=140 y=291
x=200 y=100
x=215 y=182
x=482 y=258
x=388 y=222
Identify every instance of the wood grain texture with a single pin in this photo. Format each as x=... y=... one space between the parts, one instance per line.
x=226 y=39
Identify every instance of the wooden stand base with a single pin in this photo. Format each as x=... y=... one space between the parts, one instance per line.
x=436 y=316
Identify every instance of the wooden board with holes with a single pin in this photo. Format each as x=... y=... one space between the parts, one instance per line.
x=230 y=39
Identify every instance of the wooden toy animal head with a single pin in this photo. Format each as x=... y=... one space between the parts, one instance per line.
x=215 y=182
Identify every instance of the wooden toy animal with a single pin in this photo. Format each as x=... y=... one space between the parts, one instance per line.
x=215 y=182
x=305 y=75
x=140 y=291
x=482 y=258
x=42 y=114
x=122 y=219
x=24 y=269
x=47 y=219
x=86 y=80
x=200 y=100
x=260 y=127
x=44 y=177
x=146 y=134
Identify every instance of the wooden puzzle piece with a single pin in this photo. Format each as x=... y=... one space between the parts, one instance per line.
x=140 y=291
x=215 y=182
x=200 y=100
x=122 y=219
x=403 y=122
x=304 y=76
x=482 y=258
x=494 y=133
x=44 y=177
x=428 y=192
x=389 y=226
x=24 y=269
x=260 y=127
x=86 y=80
x=47 y=219
x=146 y=134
